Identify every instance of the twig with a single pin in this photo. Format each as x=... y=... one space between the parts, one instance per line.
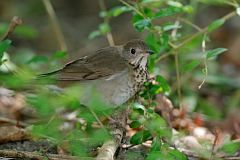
x=55 y=24
x=96 y=117
x=117 y=126
x=178 y=78
x=216 y=133
x=189 y=23
x=173 y=35
x=36 y=156
x=107 y=150
x=13 y=122
x=205 y=61
x=13 y=24
x=133 y=8
x=106 y=20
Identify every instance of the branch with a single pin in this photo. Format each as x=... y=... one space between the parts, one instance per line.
x=13 y=24
x=117 y=125
x=13 y=122
x=34 y=155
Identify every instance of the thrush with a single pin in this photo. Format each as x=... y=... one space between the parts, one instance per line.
x=116 y=72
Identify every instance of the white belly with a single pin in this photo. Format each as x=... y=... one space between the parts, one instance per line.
x=114 y=90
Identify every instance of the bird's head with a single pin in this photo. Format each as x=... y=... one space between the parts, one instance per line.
x=136 y=52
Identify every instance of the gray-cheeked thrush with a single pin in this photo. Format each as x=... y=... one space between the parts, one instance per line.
x=116 y=72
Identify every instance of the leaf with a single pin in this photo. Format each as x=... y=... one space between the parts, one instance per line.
x=148 y=12
x=116 y=11
x=163 y=83
x=215 y=24
x=168 y=154
x=94 y=34
x=103 y=14
x=140 y=137
x=156 y=144
x=231 y=148
x=135 y=124
x=104 y=28
x=152 y=42
x=142 y=24
x=171 y=27
x=215 y=52
x=169 y=11
x=140 y=108
x=156 y=155
x=176 y=154
x=158 y=126
x=190 y=66
x=174 y=4
x=4 y=45
x=59 y=55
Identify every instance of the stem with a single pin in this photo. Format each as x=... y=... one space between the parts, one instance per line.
x=55 y=24
x=106 y=20
x=13 y=24
x=96 y=117
x=133 y=8
x=178 y=78
x=205 y=61
x=190 y=23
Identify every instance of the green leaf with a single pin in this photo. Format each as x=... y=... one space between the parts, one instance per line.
x=163 y=83
x=59 y=55
x=140 y=108
x=104 y=28
x=140 y=137
x=167 y=154
x=176 y=154
x=231 y=148
x=169 y=27
x=215 y=24
x=94 y=34
x=103 y=14
x=4 y=45
x=142 y=24
x=152 y=42
x=174 y=4
x=158 y=126
x=190 y=66
x=169 y=11
x=215 y=52
x=148 y=12
x=135 y=124
x=156 y=144
x=116 y=11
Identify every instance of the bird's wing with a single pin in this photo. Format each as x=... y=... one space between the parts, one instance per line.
x=104 y=63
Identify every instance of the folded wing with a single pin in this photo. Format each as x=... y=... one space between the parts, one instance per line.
x=104 y=63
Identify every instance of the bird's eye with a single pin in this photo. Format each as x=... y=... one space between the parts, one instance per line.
x=133 y=51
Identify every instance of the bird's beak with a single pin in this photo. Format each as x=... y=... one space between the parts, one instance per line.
x=149 y=52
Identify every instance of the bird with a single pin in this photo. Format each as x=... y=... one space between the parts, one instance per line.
x=117 y=72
